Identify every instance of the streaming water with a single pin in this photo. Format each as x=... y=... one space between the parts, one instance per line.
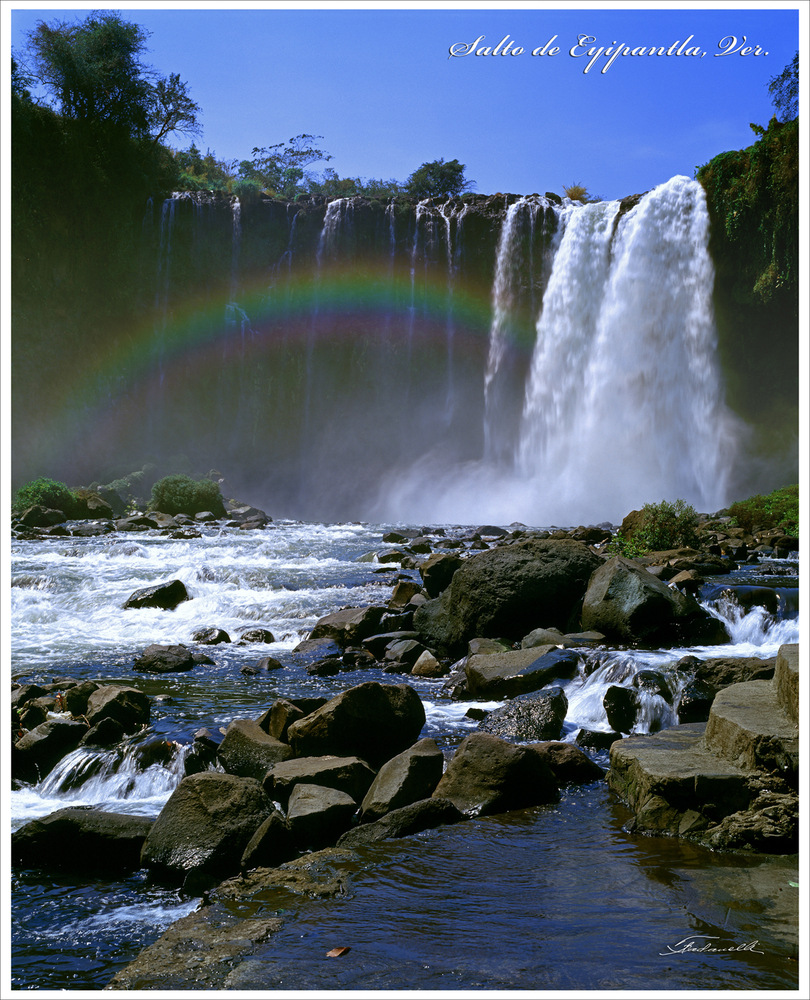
x=517 y=890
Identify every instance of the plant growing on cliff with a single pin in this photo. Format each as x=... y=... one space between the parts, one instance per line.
x=664 y=525
x=438 y=179
x=779 y=509
x=180 y=494
x=44 y=493
x=577 y=192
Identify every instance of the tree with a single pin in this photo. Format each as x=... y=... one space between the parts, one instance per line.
x=438 y=179
x=784 y=91
x=280 y=168
x=173 y=110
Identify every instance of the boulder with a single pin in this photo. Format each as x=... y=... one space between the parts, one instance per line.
x=410 y=776
x=403 y=822
x=210 y=636
x=428 y=666
x=347 y=774
x=126 y=705
x=621 y=707
x=38 y=516
x=317 y=815
x=519 y=671
x=371 y=721
x=437 y=572
x=205 y=826
x=262 y=635
x=537 y=716
x=490 y=775
x=76 y=698
x=157 y=659
x=278 y=718
x=596 y=740
x=81 y=838
x=37 y=752
x=162 y=595
x=348 y=627
x=403 y=591
x=501 y=593
x=270 y=846
x=630 y=605
x=571 y=766
x=248 y=751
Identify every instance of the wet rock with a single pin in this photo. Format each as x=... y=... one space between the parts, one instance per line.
x=404 y=822
x=76 y=698
x=371 y=721
x=26 y=692
x=106 y=732
x=377 y=644
x=428 y=666
x=279 y=717
x=37 y=752
x=157 y=659
x=595 y=740
x=163 y=595
x=621 y=707
x=210 y=636
x=490 y=775
x=437 y=572
x=544 y=637
x=248 y=751
x=628 y=604
x=81 y=838
x=406 y=778
x=653 y=682
x=347 y=774
x=271 y=845
x=263 y=635
x=695 y=701
x=269 y=663
x=205 y=826
x=348 y=627
x=127 y=705
x=403 y=592
x=537 y=716
x=318 y=815
x=571 y=766
x=499 y=593
x=515 y=672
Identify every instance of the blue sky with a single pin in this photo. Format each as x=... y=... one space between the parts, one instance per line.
x=378 y=84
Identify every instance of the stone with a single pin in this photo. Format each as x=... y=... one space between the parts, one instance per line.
x=545 y=637
x=348 y=627
x=428 y=666
x=535 y=716
x=489 y=775
x=163 y=595
x=269 y=663
x=262 y=635
x=514 y=672
x=347 y=774
x=403 y=822
x=127 y=705
x=210 y=636
x=621 y=707
x=410 y=776
x=403 y=592
x=595 y=740
x=38 y=751
x=105 y=733
x=570 y=764
x=76 y=698
x=278 y=718
x=437 y=571
x=205 y=826
x=628 y=604
x=248 y=751
x=318 y=815
x=371 y=721
x=81 y=838
x=502 y=592
x=271 y=845
x=157 y=659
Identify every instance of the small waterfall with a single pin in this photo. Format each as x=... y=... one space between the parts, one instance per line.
x=236 y=247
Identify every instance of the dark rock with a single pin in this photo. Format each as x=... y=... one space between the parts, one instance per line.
x=621 y=706
x=428 y=666
x=271 y=845
x=279 y=717
x=348 y=627
x=263 y=635
x=720 y=672
x=269 y=663
x=571 y=766
x=311 y=650
x=206 y=826
x=162 y=595
x=248 y=751
x=126 y=705
x=81 y=838
x=404 y=822
x=437 y=572
x=490 y=775
x=371 y=721
x=595 y=740
x=105 y=733
x=32 y=715
x=377 y=644
x=653 y=682
x=696 y=701
x=499 y=593
x=327 y=667
x=508 y=674
x=347 y=774
x=211 y=636
x=403 y=592
x=37 y=752
x=26 y=692
x=406 y=778
x=318 y=815
x=157 y=659
x=538 y=716
x=76 y=697
x=41 y=517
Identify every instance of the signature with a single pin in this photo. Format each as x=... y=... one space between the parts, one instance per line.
x=702 y=943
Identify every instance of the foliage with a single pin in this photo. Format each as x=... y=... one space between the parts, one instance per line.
x=180 y=494
x=438 y=179
x=779 y=509
x=280 y=168
x=45 y=493
x=665 y=525
x=172 y=109
x=577 y=192
x=784 y=91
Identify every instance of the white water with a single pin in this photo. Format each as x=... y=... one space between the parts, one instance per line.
x=623 y=404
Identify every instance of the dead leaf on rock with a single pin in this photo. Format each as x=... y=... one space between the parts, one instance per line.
x=337 y=952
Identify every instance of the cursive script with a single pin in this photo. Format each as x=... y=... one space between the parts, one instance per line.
x=701 y=943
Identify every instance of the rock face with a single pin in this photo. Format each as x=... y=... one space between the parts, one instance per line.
x=489 y=775
x=247 y=750
x=206 y=826
x=508 y=591
x=410 y=776
x=371 y=721
x=529 y=717
x=727 y=783
x=628 y=604
x=519 y=671
x=80 y=838
x=347 y=774
x=127 y=705
x=317 y=815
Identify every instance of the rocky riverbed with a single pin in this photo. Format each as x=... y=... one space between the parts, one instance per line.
x=546 y=648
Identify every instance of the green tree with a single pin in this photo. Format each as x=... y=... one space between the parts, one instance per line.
x=172 y=109
x=438 y=179
x=784 y=91
x=280 y=168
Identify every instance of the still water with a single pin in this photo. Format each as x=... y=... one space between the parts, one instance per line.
x=558 y=897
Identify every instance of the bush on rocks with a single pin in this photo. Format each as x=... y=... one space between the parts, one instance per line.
x=180 y=494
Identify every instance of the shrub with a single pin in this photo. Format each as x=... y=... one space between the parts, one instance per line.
x=181 y=494
x=779 y=509
x=665 y=525
x=45 y=493
x=577 y=192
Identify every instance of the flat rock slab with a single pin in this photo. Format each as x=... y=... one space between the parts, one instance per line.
x=80 y=838
x=748 y=726
x=519 y=671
